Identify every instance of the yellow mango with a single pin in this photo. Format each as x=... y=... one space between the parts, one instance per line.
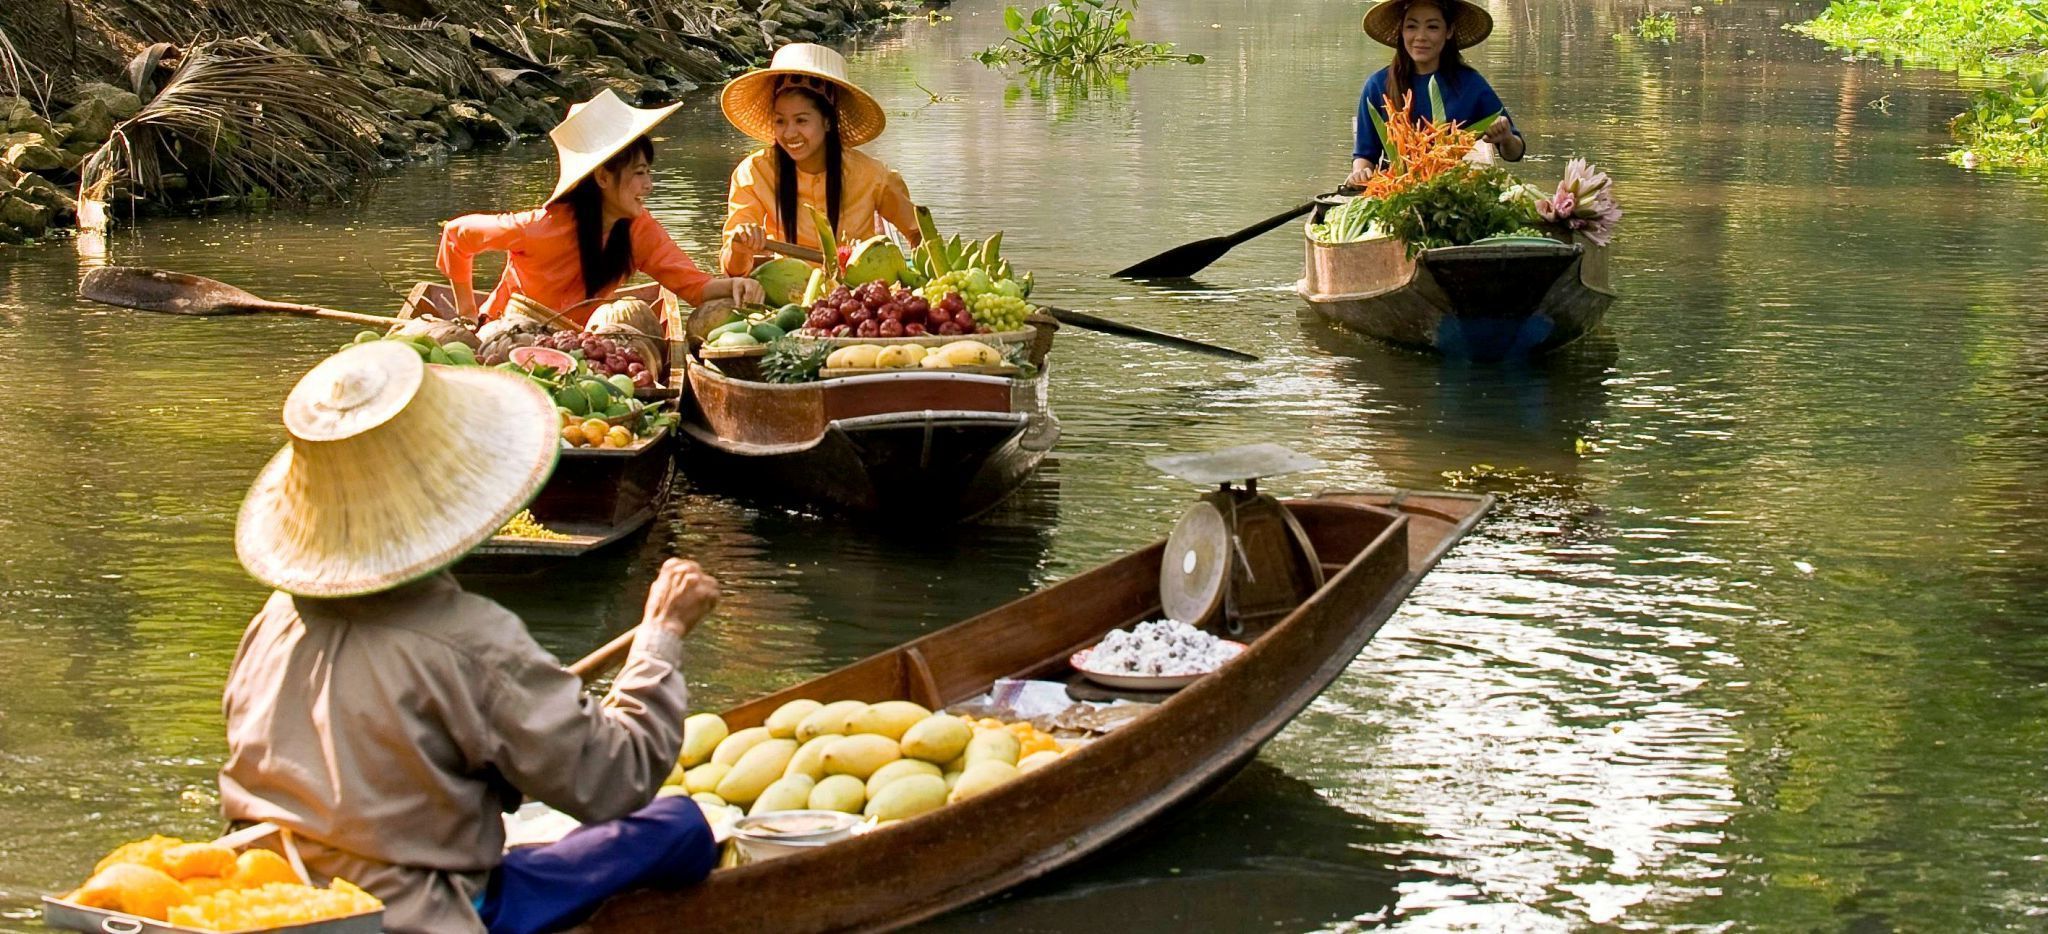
x=907 y=797
x=708 y=799
x=888 y=718
x=1037 y=760
x=671 y=791
x=998 y=745
x=897 y=356
x=260 y=867
x=831 y=718
x=759 y=768
x=782 y=723
x=193 y=860
x=733 y=747
x=810 y=757
x=952 y=778
x=701 y=735
x=895 y=770
x=980 y=778
x=705 y=777
x=839 y=793
x=937 y=739
x=857 y=355
x=860 y=756
x=788 y=793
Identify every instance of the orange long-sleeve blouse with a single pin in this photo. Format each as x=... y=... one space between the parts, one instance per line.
x=543 y=264
x=869 y=192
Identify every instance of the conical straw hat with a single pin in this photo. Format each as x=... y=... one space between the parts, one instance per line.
x=1383 y=21
x=394 y=471
x=749 y=101
x=596 y=130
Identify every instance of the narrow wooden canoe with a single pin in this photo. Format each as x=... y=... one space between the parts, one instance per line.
x=596 y=496
x=1479 y=302
x=1374 y=546
x=944 y=445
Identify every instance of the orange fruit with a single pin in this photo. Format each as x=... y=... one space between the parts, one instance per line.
x=137 y=890
x=198 y=859
x=618 y=437
x=148 y=852
x=594 y=429
x=260 y=867
x=573 y=434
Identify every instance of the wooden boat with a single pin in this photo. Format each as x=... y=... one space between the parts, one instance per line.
x=936 y=444
x=1486 y=301
x=597 y=496
x=1374 y=548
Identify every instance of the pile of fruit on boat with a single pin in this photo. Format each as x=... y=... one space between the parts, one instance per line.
x=889 y=761
x=756 y=328
x=209 y=887
x=595 y=410
x=958 y=354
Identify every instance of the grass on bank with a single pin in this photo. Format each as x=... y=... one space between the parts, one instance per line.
x=2005 y=126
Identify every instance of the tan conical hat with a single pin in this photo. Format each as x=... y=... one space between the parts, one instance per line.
x=749 y=101
x=1383 y=21
x=394 y=471
x=596 y=130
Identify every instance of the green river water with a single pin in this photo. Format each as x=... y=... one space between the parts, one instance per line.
x=1757 y=639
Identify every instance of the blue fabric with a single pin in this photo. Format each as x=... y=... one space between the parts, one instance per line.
x=664 y=845
x=1467 y=99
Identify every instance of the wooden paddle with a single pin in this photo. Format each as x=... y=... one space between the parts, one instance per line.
x=591 y=667
x=180 y=293
x=1075 y=318
x=1190 y=258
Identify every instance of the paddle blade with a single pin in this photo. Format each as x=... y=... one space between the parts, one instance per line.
x=1120 y=329
x=1180 y=262
x=164 y=291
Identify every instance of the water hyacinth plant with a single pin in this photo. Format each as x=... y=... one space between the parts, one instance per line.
x=1078 y=35
x=1584 y=202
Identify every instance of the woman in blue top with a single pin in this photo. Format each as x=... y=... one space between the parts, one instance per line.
x=1427 y=36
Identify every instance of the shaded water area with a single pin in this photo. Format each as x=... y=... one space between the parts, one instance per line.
x=1757 y=635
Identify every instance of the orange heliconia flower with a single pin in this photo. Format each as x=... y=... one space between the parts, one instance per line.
x=1426 y=150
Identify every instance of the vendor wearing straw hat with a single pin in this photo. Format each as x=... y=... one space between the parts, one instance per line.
x=592 y=233
x=1427 y=36
x=387 y=718
x=811 y=119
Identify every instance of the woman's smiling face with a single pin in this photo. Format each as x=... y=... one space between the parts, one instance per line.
x=1423 y=34
x=799 y=127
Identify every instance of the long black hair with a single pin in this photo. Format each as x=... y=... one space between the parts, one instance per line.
x=606 y=260
x=785 y=167
x=1401 y=74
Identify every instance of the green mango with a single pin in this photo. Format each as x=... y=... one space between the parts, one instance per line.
x=790 y=317
x=736 y=339
x=724 y=329
x=765 y=333
x=364 y=337
x=573 y=399
x=597 y=391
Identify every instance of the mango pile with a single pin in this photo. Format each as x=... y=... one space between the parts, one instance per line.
x=889 y=761
x=906 y=356
x=211 y=888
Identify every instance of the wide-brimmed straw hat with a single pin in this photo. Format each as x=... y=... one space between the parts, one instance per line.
x=596 y=130
x=1383 y=21
x=749 y=101
x=395 y=470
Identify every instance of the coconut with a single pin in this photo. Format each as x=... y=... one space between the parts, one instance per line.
x=782 y=280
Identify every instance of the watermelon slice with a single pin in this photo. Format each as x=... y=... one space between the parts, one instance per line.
x=533 y=358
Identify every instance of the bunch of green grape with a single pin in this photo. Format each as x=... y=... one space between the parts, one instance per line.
x=999 y=312
x=936 y=290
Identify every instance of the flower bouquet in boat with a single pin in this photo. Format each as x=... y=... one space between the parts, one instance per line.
x=1446 y=251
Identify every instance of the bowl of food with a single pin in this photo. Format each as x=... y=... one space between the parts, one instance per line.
x=780 y=833
x=1162 y=655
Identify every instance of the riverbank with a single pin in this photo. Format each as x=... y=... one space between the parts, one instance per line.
x=2006 y=125
x=400 y=80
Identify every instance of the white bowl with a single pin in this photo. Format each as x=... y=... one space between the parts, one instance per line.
x=780 y=833
x=1131 y=682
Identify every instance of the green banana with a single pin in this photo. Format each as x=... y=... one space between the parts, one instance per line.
x=991 y=250
x=827 y=243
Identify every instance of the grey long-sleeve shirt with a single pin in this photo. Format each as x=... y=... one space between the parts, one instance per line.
x=389 y=731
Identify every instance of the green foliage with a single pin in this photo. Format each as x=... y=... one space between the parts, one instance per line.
x=1346 y=222
x=793 y=360
x=1077 y=35
x=1455 y=207
x=2006 y=126
x=1657 y=27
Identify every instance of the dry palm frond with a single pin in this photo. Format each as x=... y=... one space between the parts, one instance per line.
x=18 y=76
x=238 y=117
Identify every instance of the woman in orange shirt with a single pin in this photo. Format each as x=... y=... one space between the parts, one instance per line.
x=811 y=117
x=592 y=234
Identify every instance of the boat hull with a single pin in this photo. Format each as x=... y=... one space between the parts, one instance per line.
x=1479 y=302
x=1376 y=547
x=942 y=446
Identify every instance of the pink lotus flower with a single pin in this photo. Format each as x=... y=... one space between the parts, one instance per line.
x=1584 y=201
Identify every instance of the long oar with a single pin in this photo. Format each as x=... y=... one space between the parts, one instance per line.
x=1190 y=258
x=1076 y=318
x=180 y=293
x=589 y=667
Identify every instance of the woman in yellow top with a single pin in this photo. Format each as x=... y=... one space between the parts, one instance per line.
x=811 y=117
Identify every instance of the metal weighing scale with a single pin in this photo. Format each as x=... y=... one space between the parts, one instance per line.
x=1237 y=559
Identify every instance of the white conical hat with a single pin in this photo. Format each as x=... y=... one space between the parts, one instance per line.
x=749 y=101
x=596 y=130
x=395 y=470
